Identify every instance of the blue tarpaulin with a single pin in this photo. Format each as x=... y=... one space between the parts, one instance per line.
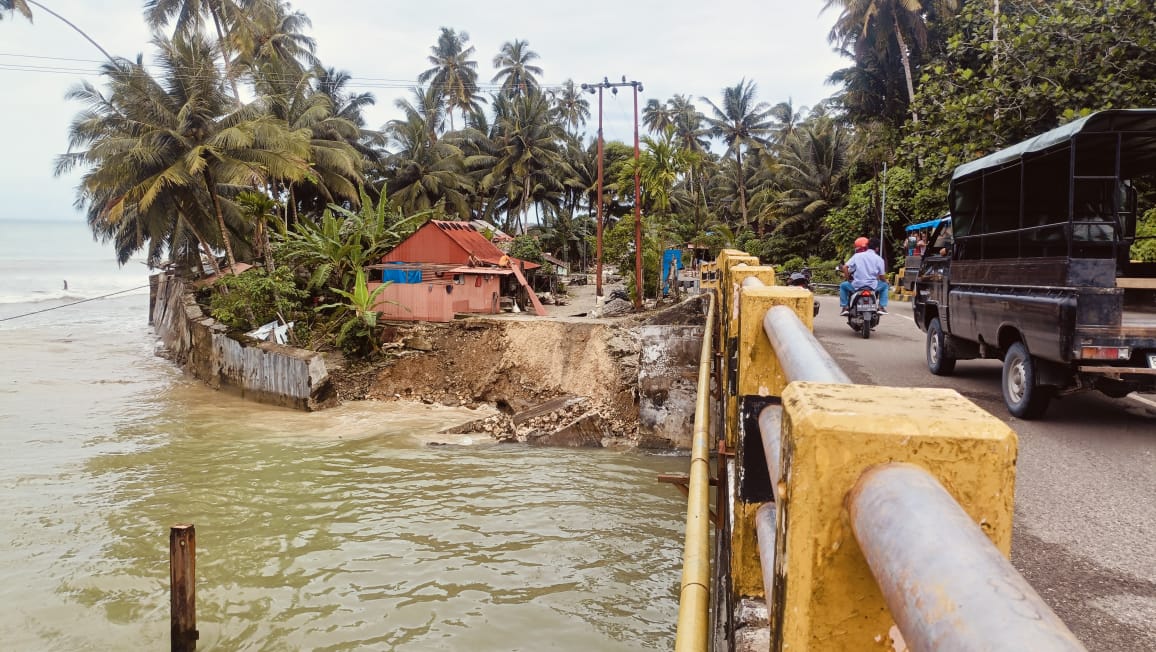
x=670 y=257
x=930 y=224
x=401 y=275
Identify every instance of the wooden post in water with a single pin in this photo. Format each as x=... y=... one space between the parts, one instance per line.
x=182 y=575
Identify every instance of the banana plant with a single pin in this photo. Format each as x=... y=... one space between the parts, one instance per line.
x=356 y=317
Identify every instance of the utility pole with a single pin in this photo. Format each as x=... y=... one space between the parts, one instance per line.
x=637 y=86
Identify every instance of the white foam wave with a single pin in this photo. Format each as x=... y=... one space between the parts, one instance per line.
x=9 y=296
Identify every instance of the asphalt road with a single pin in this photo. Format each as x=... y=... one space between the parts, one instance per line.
x=1085 y=517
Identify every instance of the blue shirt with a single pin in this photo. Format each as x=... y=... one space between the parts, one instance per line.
x=866 y=268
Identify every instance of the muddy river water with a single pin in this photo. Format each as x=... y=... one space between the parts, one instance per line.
x=340 y=530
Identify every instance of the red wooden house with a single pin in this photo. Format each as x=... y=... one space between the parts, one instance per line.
x=442 y=269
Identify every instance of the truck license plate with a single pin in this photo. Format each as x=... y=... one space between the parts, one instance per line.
x=1152 y=360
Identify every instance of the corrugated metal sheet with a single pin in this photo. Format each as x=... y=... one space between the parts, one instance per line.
x=269 y=373
x=442 y=242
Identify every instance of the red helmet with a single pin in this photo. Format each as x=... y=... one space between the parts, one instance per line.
x=860 y=243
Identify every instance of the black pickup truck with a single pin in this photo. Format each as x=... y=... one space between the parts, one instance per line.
x=1035 y=268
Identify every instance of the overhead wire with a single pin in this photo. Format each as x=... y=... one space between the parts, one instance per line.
x=352 y=81
x=74 y=303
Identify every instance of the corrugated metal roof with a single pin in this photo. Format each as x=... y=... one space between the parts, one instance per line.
x=469 y=239
x=440 y=241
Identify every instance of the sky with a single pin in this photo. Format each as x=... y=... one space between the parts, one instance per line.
x=673 y=46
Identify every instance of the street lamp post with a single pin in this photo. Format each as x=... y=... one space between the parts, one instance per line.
x=637 y=86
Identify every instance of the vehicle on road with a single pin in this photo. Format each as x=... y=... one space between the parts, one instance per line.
x=863 y=312
x=802 y=279
x=1035 y=267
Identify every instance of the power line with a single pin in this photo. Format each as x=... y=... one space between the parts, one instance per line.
x=358 y=81
x=103 y=296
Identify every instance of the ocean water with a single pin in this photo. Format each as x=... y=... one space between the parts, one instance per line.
x=338 y=530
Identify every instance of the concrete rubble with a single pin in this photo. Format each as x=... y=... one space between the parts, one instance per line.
x=566 y=421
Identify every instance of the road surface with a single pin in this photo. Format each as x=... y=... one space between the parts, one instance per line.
x=1085 y=516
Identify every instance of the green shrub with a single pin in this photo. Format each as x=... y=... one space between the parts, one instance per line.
x=247 y=300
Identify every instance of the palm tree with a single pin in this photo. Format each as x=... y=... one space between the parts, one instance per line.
x=740 y=123
x=814 y=170
x=267 y=32
x=16 y=5
x=174 y=143
x=425 y=172
x=657 y=116
x=529 y=143
x=875 y=24
x=515 y=71
x=335 y=166
x=572 y=106
x=190 y=16
x=454 y=75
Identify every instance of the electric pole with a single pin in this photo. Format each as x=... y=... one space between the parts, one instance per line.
x=637 y=86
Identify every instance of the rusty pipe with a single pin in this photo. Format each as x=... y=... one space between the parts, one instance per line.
x=693 y=628
x=947 y=585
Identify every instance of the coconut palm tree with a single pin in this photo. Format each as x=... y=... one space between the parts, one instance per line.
x=335 y=165
x=572 y=107
x=740 y=123
x=657 y=116
x=175 y=142
x=15 y=6
x=454 y=75
x=425 y=172
x=268 y=32
x=189 y=16
x=814 y=168
x=529 y=151
x=875 y=24
x=517 y=75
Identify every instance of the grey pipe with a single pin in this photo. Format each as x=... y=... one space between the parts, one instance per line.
x=946 y=584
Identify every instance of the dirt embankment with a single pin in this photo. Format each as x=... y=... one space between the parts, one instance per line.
x=512 y=365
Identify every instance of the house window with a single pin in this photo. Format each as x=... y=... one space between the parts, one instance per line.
x=459 y=279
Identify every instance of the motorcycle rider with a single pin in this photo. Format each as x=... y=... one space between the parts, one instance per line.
x=865 y=269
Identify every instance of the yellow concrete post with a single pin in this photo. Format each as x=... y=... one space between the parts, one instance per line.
x=728 y=261
x=825 y=596
x=759 y=374
x=759 y=371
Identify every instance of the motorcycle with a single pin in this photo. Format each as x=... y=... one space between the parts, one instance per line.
x=863 y=313
x=802 y=279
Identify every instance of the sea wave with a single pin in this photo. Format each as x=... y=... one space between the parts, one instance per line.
x=8 y=296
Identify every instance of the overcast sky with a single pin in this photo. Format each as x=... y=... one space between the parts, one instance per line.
x=691 y=48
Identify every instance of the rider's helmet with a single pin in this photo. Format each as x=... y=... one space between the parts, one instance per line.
x=861 y=243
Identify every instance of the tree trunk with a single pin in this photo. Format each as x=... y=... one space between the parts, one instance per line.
x=205 y=249
x=905 y=56
x=221 y=220
x=225 y=57
x=742 y=179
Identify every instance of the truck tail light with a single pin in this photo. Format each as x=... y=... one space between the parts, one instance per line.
x=1105 y=352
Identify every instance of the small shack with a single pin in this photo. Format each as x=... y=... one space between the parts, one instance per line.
x=445 y=268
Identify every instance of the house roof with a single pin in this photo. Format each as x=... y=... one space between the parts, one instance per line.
x=441 y=241
x=468 y=238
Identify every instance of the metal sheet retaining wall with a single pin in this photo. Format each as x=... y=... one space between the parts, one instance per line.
x=259 y=371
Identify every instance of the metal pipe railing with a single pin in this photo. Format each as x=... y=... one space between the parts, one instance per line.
x=694 y=597
x=946 y=584
x=798 y=352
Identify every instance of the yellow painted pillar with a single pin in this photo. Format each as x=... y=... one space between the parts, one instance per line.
x=759 y=375
x=825 y=595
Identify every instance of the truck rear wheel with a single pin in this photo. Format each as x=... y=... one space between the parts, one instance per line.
x=938 y=362
x=1023 y=396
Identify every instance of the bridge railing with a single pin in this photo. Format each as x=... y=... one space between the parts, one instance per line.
x=859 y=517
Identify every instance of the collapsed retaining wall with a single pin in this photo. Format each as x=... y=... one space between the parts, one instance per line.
x=259 y=371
